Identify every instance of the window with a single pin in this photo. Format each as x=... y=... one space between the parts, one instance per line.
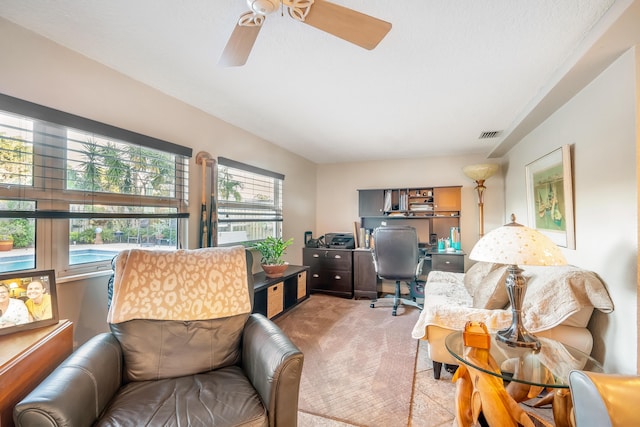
x=249 y=203
x=74 y=192
x=17 y=233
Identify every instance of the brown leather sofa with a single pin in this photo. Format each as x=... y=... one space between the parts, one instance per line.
x=204 y=374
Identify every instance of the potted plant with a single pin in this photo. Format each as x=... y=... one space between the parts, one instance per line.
x=6 y=242
x=6 y=235
x=272 y=249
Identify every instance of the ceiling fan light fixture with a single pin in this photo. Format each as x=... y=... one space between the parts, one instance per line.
x=251 y=19
x=298 y=9
x=263 y=7
x=346 y=24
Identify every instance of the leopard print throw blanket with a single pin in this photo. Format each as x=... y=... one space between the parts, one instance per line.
x=199 y=284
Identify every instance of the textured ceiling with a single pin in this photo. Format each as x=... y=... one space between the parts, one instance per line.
x=446 y=72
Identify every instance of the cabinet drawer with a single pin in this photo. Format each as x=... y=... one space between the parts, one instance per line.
x=451 y=263
x=275 y=299
x=332 y=280
x=302 y=284
x=329 y=259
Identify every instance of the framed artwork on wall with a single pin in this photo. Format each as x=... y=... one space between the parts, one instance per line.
x=550 y=196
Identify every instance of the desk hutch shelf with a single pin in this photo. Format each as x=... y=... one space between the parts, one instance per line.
x=431 y=210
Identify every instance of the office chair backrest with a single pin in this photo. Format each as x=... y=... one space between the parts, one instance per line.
x=395 y=253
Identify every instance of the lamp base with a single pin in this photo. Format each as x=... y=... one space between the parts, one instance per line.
x=517 y=336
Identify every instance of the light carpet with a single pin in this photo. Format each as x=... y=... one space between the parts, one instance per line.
x=359 y=361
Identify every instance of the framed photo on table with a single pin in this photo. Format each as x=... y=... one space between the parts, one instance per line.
x=28 y=301
x=550 y=196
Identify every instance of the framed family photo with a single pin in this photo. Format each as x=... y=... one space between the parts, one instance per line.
x=550 y=196
x=27 y=301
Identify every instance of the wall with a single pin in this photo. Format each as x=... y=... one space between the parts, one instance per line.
x=337 y=205
x=37 y=70
x=600 y=125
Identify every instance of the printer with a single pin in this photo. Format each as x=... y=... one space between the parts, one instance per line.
x=340 y=240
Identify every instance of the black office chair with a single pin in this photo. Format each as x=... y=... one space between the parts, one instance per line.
x=396 y=257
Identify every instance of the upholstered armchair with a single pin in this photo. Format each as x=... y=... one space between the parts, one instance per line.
x=184 y=349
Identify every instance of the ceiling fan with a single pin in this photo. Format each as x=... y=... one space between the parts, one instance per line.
x=347 y=24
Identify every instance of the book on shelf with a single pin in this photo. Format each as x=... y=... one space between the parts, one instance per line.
x=418 y=207
x=387 y=200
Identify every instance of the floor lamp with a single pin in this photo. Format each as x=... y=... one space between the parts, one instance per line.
x=480 y=173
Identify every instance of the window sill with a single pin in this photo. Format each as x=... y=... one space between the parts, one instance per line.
x=83 y=276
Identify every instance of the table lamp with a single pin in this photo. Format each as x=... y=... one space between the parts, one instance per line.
x=514 y=244
x=480 y=173
x=13 y=289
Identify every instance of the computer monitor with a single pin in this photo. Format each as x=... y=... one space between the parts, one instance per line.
x=422 y=227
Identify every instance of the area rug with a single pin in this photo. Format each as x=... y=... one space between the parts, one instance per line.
x=359 y=362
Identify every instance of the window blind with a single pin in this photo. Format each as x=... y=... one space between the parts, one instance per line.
x=87 y=188
x=249 y=202
x=91 y=164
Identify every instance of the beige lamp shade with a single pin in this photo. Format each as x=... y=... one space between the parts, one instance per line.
x=481 y=172
x=515 y=244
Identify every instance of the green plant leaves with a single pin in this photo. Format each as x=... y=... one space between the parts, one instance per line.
x=272 y=249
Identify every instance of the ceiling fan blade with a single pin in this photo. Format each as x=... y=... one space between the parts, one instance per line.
x=347 y=24
x=238 y=48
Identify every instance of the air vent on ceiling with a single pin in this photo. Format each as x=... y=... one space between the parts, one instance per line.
x=490 y=134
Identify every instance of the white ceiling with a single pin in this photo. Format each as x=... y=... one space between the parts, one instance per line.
x=446 y=72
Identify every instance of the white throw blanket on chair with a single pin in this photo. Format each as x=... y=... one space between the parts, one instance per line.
x=198 y=284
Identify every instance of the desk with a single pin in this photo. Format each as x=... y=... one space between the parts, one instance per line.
x=366 y=281
x=548 y=367
x=27 y=358
x=451 y=261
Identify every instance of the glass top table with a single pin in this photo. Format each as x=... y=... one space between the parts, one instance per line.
x=547 y=367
